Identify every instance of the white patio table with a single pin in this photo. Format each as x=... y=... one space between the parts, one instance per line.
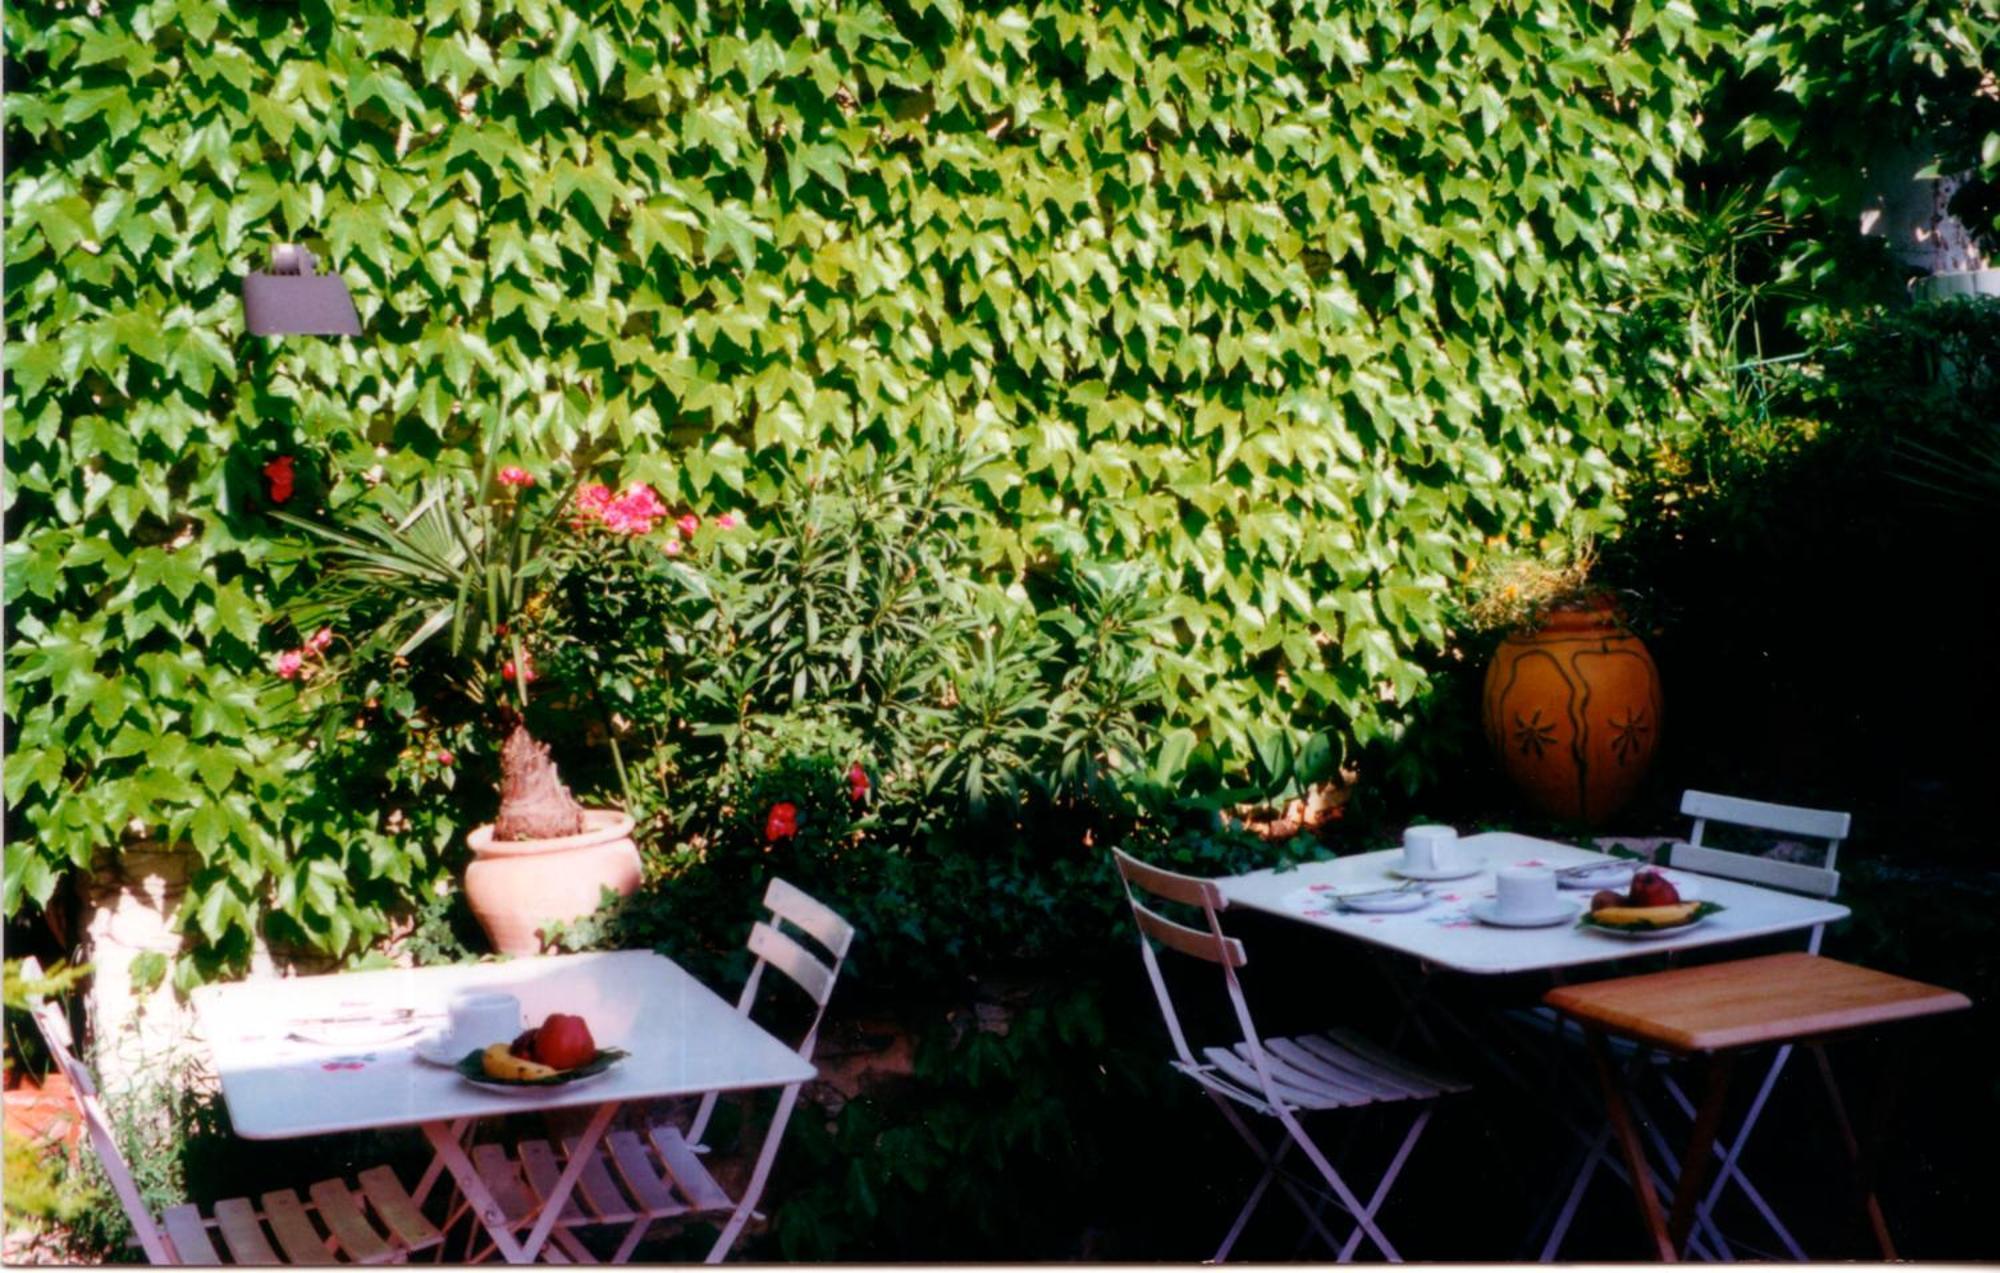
x=683 y=1040
x=1445 y=935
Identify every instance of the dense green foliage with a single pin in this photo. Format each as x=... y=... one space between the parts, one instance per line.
x=1299 y=306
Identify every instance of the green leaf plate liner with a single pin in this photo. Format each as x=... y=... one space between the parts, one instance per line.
x=1702 y=910
x=469 y=1065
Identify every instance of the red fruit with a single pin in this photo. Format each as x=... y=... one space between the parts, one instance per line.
x=523 y=1045
x=1651 y=889
x=1605 y=897
x=564 y=1042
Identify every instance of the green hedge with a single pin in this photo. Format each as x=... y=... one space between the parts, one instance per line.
x=1304 y=305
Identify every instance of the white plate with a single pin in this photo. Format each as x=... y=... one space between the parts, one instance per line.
x=1455 y=872
x=1488 y=912
x=1687 y=886
x=1646 y=934
x=354 y=1034
x=523 y=1089
x=1387 y=903
x=1610 y=875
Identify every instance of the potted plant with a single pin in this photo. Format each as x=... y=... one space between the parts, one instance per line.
x=439 y=598
x=1571 y=703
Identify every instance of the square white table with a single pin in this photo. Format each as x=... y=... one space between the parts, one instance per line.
x=1444 y=935
x=683 y=1039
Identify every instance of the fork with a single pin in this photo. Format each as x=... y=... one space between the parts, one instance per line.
x=1410 y=886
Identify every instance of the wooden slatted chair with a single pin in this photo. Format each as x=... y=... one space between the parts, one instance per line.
x=1279 y=1078
x=639 y=1179
x=1828 y=826
x=374 y=1223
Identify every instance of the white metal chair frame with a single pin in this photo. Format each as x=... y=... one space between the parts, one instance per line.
x=180 y=1235
x=1280 y=1077
x=663 y=1173
x=1821 y=881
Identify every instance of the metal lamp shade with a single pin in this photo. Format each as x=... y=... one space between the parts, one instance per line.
x=292 y=300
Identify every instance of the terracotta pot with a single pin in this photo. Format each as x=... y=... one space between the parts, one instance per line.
x=518 y=886
x=1572 y=709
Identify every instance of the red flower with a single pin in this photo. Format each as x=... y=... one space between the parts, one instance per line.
x=857 y=783
x=782 y=823
x=279 y=479
x=528 y=672
x=688 y=524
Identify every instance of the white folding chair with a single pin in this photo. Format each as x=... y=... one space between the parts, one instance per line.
x=637 y=1180
x=1279 y=1078
x=336 y=1222
x=1823 y=881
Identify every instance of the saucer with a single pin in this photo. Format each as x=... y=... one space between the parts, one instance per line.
x=437 y=1049
x=1614 y=875
x=1488 y=912
x=1455 y=872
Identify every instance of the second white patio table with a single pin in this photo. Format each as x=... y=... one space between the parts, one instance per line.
x=1445 y=935
x=683 y=1039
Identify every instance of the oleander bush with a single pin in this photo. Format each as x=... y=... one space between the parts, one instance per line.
x=1300 y=306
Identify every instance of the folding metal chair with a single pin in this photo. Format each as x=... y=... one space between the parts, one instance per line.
x=1279 y=1078
x=1815 y=881
x=637 y=1180
x=377 y=1223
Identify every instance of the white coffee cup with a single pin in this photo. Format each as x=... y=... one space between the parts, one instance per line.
x=479 y=1018
x=1524 y=892
x=1428 y=848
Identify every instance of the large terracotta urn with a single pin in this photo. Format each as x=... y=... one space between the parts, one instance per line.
x=1572 y=709
x=518 y=887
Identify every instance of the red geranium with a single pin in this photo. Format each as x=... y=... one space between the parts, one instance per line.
x=782 y=823
x=279 y=479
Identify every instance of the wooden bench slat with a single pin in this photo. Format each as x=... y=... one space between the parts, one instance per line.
x=287 y=1217
x=340 y=1212
x=544 y=1173
x=628 y=1155
x=243 y=1232
x=411 y=1229
x=599 y=1191
x=189 y=1234
x=688 y=1171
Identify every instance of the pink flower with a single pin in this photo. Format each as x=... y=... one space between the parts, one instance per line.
x=726 y=521
x=288 y=664
x=445 y=758
x=528 y=671
x=514 y=475
x=319 y=640
x=689 y=524
x=279 y=479
x=671 y=548
x=590 y=502
x=634 y=512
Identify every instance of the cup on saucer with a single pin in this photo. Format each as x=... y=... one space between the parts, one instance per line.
x=1428 y=849
x=1524 y=897
x=475 y=1019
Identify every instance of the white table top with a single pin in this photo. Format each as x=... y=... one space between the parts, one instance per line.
x=1444 y=934
x=683 y=1039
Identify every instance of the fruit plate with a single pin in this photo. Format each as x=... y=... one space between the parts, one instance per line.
x=1647 y=933
x=470 y=1069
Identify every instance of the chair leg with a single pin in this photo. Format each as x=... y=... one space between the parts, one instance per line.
x=1389 y=1174
x=1363 y=1219
x=1271 y=1161
x=1864 y=1185
x=759 y=1176
x=1629 y=1146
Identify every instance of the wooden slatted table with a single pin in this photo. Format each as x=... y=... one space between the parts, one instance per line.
x=1719 y=1010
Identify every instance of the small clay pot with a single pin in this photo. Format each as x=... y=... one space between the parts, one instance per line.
x=518 y=887
x=1572 y=711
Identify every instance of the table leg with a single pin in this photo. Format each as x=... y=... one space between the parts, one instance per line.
x=1695 y=1163
x=484 y=1206
x=1864 y=1185
x=1629 y=1146
x=579 y=1157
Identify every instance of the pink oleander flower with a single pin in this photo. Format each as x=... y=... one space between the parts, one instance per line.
x=726 y=521
x=671 y=548
x=515 y=475
x=319 y=640
x=289 y=664
x=590 y=502
x=634 y=512
x=688 y=524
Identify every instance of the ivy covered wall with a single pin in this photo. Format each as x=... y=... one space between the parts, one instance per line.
x=1306 y=305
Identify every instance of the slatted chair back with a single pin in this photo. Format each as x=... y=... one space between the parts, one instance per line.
x=1212 y=946
x=776 y=948
x=56 y=1036
x=1826 y=825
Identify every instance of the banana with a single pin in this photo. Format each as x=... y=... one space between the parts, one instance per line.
x=499 y=1063
x=1645 y=916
